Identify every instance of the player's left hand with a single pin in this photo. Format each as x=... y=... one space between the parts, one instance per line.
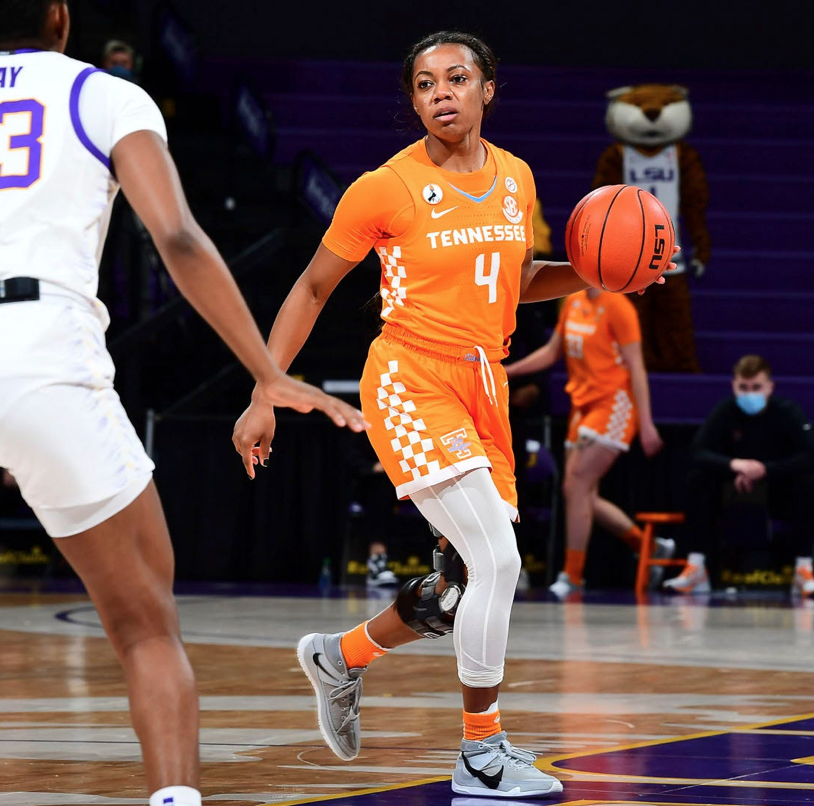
x=670 y=267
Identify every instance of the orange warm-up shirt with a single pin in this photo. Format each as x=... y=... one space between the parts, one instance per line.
x=451 y=244
x=592 y=332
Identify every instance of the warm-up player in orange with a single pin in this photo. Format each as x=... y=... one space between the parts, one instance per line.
x=450 y=219
x=599 y=335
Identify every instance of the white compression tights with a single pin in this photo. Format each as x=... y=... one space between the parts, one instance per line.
x=469 y=512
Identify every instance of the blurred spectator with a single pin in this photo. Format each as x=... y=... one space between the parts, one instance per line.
x=753 y=447
x=119 y=59
x=599 y=335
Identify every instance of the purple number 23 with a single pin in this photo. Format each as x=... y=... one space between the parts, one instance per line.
x=29 y=140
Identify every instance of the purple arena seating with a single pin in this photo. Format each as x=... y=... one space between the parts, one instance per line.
x=754 y=131
x=772 y=311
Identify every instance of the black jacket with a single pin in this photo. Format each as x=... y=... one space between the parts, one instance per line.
x=780 y=436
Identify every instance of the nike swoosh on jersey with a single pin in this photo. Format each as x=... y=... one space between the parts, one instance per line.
x=438 y=213
x=490 y=781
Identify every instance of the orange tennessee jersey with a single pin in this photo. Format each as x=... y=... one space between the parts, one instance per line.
x=451 y=245
x=592 y=332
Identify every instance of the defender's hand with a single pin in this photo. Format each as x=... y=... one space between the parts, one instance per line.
x=257 y=423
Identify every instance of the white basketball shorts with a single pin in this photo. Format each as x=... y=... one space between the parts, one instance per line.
x=64 y=434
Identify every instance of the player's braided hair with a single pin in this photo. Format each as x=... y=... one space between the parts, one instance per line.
x=482 y=53
x=22 y=19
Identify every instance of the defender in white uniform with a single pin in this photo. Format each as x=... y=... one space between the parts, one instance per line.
x=69 y=136
x=56 y=377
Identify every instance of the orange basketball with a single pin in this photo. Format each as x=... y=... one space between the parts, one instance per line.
x=619 y=238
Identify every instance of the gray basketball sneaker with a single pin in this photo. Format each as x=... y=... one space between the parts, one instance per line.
x=338 y=691
x=493 y=768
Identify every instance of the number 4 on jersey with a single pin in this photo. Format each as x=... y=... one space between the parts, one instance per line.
x=488 y=279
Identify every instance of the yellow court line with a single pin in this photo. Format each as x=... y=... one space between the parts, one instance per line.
x=605 y=801
x=356 y=793
x=686 y=737
x=547 y=763
x=724 y=783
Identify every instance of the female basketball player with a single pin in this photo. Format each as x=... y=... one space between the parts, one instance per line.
x=63 y=432
x=610 y=401
x=450 y=218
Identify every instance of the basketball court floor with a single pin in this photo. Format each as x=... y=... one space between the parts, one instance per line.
x=701 y=701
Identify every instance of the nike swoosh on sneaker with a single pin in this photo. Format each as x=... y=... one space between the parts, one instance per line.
x=490 y=781
x=316 y=657
x=438 y=213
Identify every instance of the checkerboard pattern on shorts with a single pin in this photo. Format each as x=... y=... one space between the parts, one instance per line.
x=620 y=416
x=407 y=438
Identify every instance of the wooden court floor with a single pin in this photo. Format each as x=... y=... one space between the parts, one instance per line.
x=704 y=701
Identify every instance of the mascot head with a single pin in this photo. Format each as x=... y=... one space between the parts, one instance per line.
x=649 y=115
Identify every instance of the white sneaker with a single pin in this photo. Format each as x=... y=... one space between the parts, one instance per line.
x=338 y=691
x=382 y=579
x=693 y=579
x=563 y=586
x=663 y=549
x=494 y=768
x=803 y=584
x=378 y=574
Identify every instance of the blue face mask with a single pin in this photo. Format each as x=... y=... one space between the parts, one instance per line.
x=751 y=402
x=122 y=72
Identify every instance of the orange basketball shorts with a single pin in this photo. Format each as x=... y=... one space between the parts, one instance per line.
x=611 y=421
x=436 y=412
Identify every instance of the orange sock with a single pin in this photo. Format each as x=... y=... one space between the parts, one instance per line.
x=358 y=648
x=574 y=565
x=482 y=726
x=633 y=537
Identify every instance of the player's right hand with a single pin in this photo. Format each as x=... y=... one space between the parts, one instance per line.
x=670 y=267
x=257 y=424
x=650 y=439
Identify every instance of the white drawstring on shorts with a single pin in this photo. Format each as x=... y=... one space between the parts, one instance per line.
x=485 y=368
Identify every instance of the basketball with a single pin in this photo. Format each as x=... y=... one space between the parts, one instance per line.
x=619 y=238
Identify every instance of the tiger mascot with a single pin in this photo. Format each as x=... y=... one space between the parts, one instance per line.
x=649 y=122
